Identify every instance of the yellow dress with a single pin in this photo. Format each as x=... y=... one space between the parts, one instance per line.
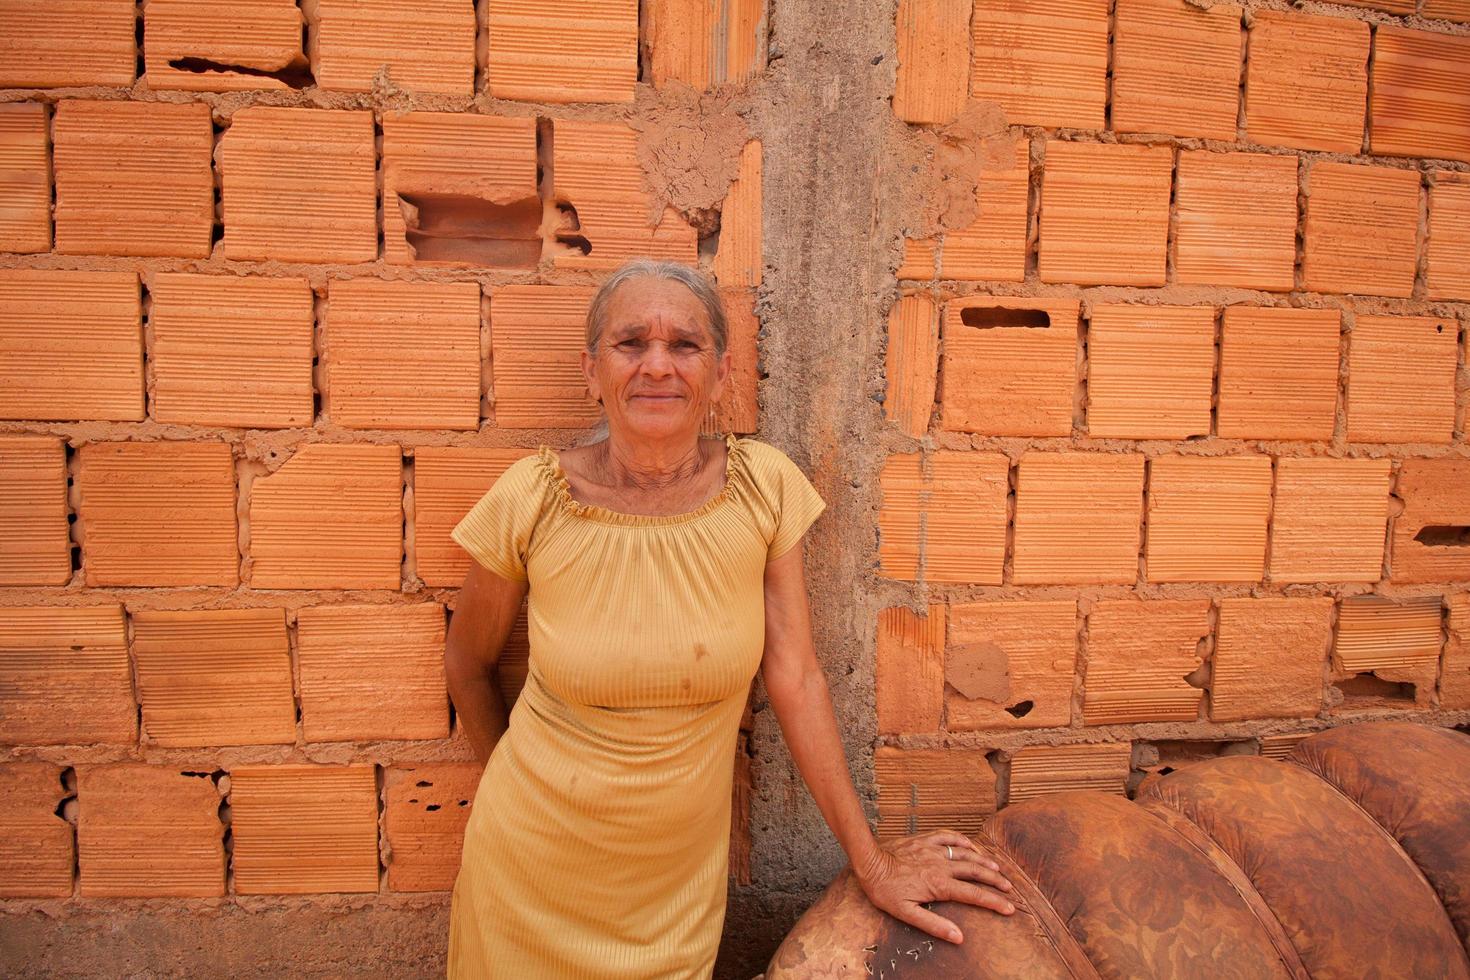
x=599 y=838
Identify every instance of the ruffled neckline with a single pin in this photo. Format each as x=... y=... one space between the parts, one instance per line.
x=550 y=467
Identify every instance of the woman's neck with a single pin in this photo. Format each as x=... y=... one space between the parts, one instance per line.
x=648 y=466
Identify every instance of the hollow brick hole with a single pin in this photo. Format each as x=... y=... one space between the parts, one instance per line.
x=464 y=228
x=987 y=317
x=1444 y=536
x=1367 y=689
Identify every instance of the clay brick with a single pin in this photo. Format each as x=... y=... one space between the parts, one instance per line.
x=1420 y=101
x=1454 y=683
x=67 y=42
x=1448 y=273
x=1396 y=641
x=1077 y=518
x=299 y=185
x=1207 y=518
x=933 y=60
x=1401 y=379
x=737 y=261
x=738 y=410
x=1138 y=656
x=994 y=246
x=1447 y=10
x=1007 y=371
x=1278 y=373
x=372 y=672
x=432 y=163
x=448 y=481
x=1279 y=747
x=1044 y=61
x=704 y=44
x=35 y=536
x=1328 y=521
x=304 y=828
x=1033 y=643
x=158 y=513
x=425 y=809
x=536 y=339
x=64 y=677
x=598 y=176
x=133 y=178
x=1306 y=81
x=919 y=258
x=402 y=354
x=908 y=675
x=920 y=790
x=1038 y=770
x=1237 y=220
x=1176 y=68
x=232 y=350
x=36 y=855
x=943 y=517
x=347 y=502
x=71 y=345
x=1360 y=231
x=1430 y=536
x=912 y=363
x=214 y=677
x=1269 y=658
x=553 y=51
x=25 y=178
x=1150 y=371
x=1105 y=213
x=425 y=45
x=224 y=45
x=148 y=831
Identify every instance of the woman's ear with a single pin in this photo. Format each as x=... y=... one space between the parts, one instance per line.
x=589 y=371
x=722 y=376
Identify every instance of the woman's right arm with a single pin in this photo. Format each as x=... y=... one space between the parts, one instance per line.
x=484 y=613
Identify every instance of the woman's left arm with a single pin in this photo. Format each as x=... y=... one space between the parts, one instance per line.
x=898 y=876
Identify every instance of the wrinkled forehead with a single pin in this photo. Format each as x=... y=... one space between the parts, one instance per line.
x=647 y=306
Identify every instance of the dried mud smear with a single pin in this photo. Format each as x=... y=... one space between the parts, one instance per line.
x=689 y=145
x=938 y=170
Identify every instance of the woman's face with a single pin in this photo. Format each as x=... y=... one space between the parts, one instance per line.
x=656 y=369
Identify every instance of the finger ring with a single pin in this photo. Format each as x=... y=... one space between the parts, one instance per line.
x=949 y=850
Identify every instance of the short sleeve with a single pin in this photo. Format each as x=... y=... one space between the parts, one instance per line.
x=497 y=530
x=795 y=501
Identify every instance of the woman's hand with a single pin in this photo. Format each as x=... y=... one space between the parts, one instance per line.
x=902 y=874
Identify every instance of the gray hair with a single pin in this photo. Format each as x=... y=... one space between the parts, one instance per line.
x=692 y=279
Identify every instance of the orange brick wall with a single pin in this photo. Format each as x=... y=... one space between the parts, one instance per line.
x=1164 y=455
x=282 y=291
x=1183 y=466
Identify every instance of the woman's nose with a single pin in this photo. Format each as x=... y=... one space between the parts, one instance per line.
x=657 y=359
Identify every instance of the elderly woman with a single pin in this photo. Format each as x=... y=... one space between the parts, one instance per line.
x=663 y=570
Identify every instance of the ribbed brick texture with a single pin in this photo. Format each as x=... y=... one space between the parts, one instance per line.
x=149 y=831
x=214 y=677
x=304 y=828
x=1212 y=319
x=33 y=512
x=234 y=351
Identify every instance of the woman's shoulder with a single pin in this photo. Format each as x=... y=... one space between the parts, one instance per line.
x=527 y=484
